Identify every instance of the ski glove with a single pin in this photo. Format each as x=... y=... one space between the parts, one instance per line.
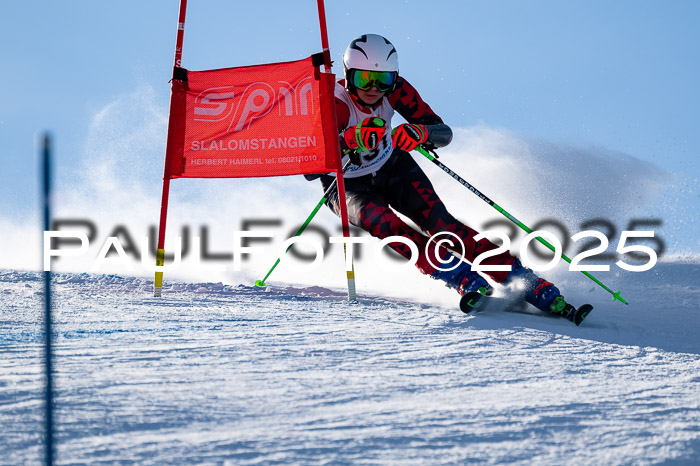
x=365 y=135
x=407 y=136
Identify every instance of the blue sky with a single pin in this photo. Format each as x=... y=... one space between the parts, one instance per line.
x=619 y=76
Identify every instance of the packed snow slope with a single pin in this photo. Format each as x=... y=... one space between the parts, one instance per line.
x=214 y=373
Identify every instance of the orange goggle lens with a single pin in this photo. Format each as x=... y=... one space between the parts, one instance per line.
x=364 y=80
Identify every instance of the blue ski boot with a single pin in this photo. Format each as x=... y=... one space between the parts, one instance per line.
x=462 y=278
x=538 y=292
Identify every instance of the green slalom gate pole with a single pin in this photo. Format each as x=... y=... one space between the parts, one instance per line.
x=306 y=223
x=433 y=158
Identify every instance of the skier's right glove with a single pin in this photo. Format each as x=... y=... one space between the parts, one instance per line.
x=407 y=136
x=365 y=135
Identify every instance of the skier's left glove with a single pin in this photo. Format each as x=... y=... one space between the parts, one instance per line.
x=407 y=136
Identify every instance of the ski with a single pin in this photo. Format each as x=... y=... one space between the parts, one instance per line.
x=475 y=302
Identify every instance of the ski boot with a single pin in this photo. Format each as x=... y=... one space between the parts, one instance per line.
x=462 y=278
x=545 y=296
x=538 y=292
x=569 y=312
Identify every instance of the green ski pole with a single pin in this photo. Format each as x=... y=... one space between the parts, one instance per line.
x=466 y=184
x=306 y=223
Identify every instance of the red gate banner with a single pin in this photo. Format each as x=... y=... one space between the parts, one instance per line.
x=266 y=120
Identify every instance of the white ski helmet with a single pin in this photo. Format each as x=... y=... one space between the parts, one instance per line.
x=370 y=52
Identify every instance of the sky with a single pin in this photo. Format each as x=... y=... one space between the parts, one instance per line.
x=609 y=85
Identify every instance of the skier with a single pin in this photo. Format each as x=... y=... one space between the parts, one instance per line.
x=384 y=179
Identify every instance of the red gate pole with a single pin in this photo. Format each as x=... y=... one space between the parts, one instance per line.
x=352 y=296
x=160 y=252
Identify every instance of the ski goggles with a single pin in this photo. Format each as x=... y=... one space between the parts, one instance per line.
x=364 y=80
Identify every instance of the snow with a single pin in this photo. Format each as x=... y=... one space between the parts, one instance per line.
x=220 y=373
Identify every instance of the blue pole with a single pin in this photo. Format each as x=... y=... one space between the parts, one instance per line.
x=46 y=202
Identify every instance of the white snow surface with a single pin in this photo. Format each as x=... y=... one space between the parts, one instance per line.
x=213 y=374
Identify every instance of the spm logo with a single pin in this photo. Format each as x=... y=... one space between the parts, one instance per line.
x=213 y=103
x=257 y=100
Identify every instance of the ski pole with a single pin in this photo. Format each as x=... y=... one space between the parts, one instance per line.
x=306 y=223
x=433 y=158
